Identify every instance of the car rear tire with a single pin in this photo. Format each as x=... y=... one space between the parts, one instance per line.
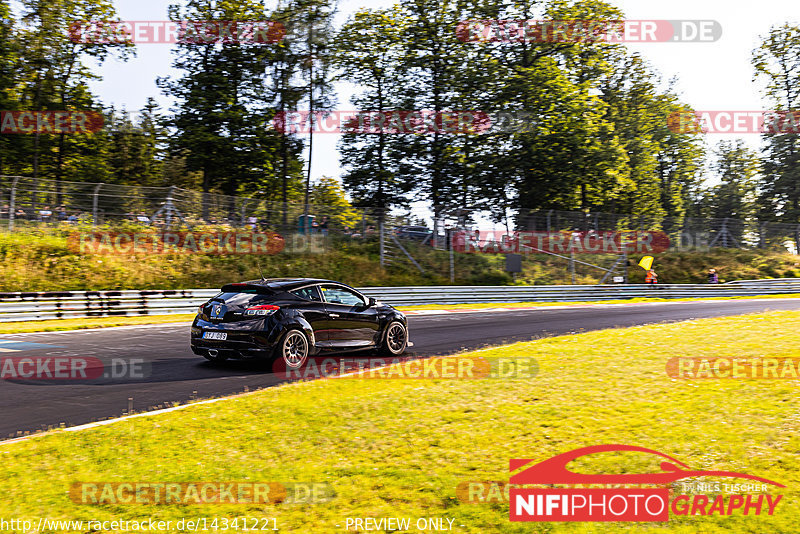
x=294 y=349
x=395 y=340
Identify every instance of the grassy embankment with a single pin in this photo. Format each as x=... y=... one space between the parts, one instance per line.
x=400 y=448
x=41 y=261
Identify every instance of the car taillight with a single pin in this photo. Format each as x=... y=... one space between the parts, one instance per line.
x=264 y=309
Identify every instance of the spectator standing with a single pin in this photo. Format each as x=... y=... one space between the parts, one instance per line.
x=651 y=278
x=45 y=214
x=712 y=276
x=323 y=226
x=4 y=211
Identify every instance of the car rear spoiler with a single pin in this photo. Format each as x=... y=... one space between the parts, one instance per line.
x=241 y=288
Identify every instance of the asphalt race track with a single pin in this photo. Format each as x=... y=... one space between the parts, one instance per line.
x=166 y=371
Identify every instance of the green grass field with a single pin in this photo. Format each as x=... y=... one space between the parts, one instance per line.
x=400 y=448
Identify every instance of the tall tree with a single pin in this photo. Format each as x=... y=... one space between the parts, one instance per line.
x=55 y=74
x=310 y=34
x=432 y=81
x=284 y=80
x=565 y=154
x=664 y=165
x=329 y=199
x=736 y=166
x=9 y=58
x=136 y=146
x=370 y=53
x=222 y=103
x=777 y=66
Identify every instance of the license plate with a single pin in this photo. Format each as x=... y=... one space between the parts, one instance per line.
x=220 y=336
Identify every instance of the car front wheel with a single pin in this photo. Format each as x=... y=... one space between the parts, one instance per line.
x=395 y=340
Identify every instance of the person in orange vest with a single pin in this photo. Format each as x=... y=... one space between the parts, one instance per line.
x=651 y=278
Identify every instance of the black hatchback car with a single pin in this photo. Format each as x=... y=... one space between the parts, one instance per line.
x=294 y=318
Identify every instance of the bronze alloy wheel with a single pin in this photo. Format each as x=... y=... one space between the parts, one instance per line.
x=396 y=338
x=295 y=349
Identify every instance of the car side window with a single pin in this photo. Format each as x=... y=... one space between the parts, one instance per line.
x=309 y=293
x=340 y=295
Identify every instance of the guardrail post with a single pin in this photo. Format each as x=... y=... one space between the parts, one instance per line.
x=168 y=205
x=12 y=210
x=95 y=195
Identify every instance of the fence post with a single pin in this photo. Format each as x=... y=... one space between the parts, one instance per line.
x=725 y=232
x=95 y=195
x=168 y=206
x=449 y=237
x=380 y=231
x=625 y=266
x=797 y=240
x=244 y=213
x=12 y=209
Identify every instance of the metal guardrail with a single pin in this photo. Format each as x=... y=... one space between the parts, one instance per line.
x=84 y=304
x=771 y=281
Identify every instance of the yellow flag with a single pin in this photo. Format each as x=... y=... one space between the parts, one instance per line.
x=646 y=263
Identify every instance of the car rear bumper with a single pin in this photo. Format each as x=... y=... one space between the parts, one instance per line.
x=239 y=345
x=232 y=351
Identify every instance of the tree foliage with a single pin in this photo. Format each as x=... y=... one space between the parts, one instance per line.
x=558 y=125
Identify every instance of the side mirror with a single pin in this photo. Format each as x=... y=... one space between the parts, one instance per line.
x=372 y=302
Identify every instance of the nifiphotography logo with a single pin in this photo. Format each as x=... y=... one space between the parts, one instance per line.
x=628 y=503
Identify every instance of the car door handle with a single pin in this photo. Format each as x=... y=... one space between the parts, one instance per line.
x=333 y=315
